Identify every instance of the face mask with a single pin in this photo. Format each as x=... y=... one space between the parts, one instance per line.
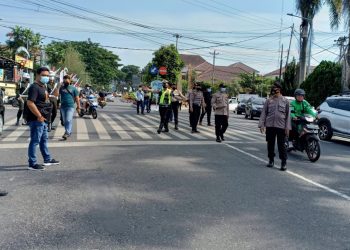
x=140 y=89
x=174 y=88
x=223 y=89
x=88 y=88
x=209 y=90
x=44 y=79
x=66 y=83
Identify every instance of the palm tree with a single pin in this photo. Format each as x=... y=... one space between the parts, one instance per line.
x=308 y=9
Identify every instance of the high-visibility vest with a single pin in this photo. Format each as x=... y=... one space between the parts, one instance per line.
x=165 y=99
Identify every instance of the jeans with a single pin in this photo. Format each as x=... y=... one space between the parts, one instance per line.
x=142 y=104
x=38 y=136
x=67 y=116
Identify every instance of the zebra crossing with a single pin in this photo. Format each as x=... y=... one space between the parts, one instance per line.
x=127 y=127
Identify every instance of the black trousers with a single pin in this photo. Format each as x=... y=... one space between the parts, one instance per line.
x=142 y=104
x=271 y=134
x=54 y=110
x=164 y=116
x=221 y=124
x=194 y=117
x=208 y=112
x=175 y=109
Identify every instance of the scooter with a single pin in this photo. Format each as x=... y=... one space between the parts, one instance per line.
x=92 y=107
x=307 y=140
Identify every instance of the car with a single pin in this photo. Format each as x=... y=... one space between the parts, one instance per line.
x=241 y=107
x=233 y=103
x=334 y=117
x=254 y=107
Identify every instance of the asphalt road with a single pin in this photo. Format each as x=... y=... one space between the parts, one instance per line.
x=177 y=192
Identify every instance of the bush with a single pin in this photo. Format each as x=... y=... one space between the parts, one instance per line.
x=324 y=81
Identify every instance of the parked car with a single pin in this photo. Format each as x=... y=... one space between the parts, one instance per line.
x=254 y=107
x=334 y=117
x=233 y=103
x=241 y=107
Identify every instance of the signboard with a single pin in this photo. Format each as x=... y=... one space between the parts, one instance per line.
x=1 y=74
x=157 y=85
x=153 y=70
x=27 y=63
x=162 y=71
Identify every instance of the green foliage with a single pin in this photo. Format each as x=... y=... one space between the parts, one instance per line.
x=72 y=60
x=290 y=79
x=251 y=83
x=248 y=82
x=146 y=76
x=101 y=64
x=324 y=81
x=129 y=71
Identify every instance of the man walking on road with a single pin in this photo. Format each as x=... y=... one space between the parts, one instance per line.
x=220 y=105
x=39 y=111
x=196 y=104
x=140 y=98
x=176 y=97
x=51 y=88
x=164 y=107
x=275 y=121
x=68 y=96
x=207 y=99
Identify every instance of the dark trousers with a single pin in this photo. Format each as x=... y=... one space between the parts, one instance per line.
x=142 y=104
x=208 y=112
x=164 y=117
x=271 y=134
x=194 y=117
x=221 y=124
x=146 y=104
x=175 y=109
x=54 y=110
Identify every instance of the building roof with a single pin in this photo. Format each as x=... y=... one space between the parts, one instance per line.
x=244 y=67
x=275 y=72
x=194 y=60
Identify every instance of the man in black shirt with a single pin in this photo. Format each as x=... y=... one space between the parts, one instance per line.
x=208 y=107
x=39 y=112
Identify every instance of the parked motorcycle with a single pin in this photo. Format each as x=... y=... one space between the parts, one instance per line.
x=307 y=140
x=92 y=107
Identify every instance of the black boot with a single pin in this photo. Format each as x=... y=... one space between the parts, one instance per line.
x=49 y=126
x=218 y=139
x=160 y=128
x=176 y=127
x=283 y=166
x=3 y=193
x=271 y=164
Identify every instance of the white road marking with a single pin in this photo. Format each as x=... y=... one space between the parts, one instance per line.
x=142 y=123
x=59 y=132
x=101 y=130
x=328 y=189
x=115 y=126
x=137 y=130
x=177 y=134
x=82 y=132
x=12 y=122
x=14 y=135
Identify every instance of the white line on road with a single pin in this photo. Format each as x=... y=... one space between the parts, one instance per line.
x=328 y=189
x=118 y=129
x=82 y=132
x=137 y=130
x=100 y=129
x=14 y=135
x=178 y=134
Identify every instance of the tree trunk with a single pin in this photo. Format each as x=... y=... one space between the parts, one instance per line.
x=303 y=50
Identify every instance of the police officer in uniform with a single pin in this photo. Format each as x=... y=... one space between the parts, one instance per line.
x=219 y=102
x=275 y=121
x=164 y=107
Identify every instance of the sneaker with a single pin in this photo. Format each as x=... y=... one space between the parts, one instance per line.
x=218 y=139
x=159 y=131
x=222 y=138
x=36 y=167
x=196 y=131
x=283 y=166
x=166 y=130
x=3 y=193
x=52 y=162
x=271 y=164
x=65 y=136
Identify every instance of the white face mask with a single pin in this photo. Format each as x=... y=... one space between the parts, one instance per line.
x=223 y=89
x=209 y=90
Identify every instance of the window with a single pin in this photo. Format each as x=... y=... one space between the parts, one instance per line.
x=259 y=101
x=344 y=104
x=332 y=103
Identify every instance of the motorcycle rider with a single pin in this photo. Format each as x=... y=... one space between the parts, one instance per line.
x=25 y=82
x=84 y=93
x=299 y=108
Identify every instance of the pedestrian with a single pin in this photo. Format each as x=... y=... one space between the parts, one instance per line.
x=196 y=105
x=176 y=97
x=275 y=122
x=68 y=96
x=220 y=104
x=52 y=88
x=164 y=107
x=39 y=111
x=19 y=98
x=140 y=99
x=207 y=111
x=147 y=102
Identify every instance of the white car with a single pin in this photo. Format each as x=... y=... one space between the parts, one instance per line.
x=110 y=98
x=334 y=117
x=233 y=103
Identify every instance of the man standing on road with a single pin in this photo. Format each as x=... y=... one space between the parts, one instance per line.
x=164 y=107
x=140 y=100
x=68 y=96
x=51 y=89
x=20 y=100
x=207 y=99
x=220 y=105
x=196 y=104
x=176 y=97
x=39 y=111
x=275 y=121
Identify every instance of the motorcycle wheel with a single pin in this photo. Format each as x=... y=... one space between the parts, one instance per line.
x=313 y=149
x=94 y=114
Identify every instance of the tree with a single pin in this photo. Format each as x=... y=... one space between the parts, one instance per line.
x=308 y=9
x=169 y=57
x=324 y=81
x=129 y=71
x=24 y=37
x=247 y=82
x=72 y=60
x=290 y=82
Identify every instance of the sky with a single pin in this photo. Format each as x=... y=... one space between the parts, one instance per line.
x=253 y=29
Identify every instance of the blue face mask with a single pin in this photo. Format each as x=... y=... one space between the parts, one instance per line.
x=209 y=90
x=44 y=79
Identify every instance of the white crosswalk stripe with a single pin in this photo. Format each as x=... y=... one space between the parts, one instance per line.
x=16 y=134
x=101 y=131
x=129 y=125
x=115 y=126
x=82 y=131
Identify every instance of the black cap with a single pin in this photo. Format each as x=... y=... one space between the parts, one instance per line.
x=222 y=85
x=277 y=85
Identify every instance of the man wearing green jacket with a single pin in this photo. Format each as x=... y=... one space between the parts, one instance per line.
x=300 y=107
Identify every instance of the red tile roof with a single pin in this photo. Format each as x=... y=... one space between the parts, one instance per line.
x=194 y=60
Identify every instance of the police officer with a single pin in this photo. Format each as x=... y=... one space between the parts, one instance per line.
x=275 y=122
x=164 y=107
x=219 y=102
x=208 y=107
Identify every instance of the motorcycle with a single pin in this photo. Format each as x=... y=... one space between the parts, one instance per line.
x=307 y=140
x=92 y=107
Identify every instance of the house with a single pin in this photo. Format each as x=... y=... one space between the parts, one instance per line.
x=276 y=73
x=205 y=71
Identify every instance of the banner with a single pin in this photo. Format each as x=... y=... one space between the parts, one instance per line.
x=1 y=74
x=27 y=63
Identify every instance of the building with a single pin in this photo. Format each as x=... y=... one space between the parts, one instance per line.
x=205 y=71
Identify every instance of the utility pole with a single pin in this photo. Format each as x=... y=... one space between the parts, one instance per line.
x=280 y=75
x=311 y=35
x=342 y=59
x=177 y=39
x=290 y=43
x=213 y=73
